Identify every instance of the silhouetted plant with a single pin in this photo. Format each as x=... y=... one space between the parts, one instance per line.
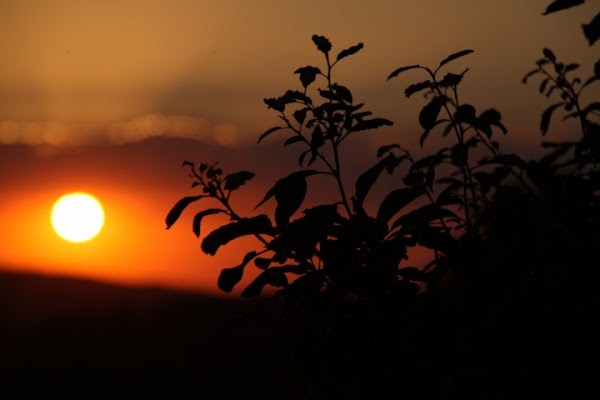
x=470 y=182
x=338 y=251
x=556 y=78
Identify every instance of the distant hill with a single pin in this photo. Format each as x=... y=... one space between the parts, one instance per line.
x=70 y=336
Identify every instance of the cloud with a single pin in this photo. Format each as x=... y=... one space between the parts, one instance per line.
x=160 y=125
x=137 y=129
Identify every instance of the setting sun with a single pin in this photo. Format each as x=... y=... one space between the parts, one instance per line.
x=77 y=217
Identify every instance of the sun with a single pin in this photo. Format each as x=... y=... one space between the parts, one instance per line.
x=77 y=217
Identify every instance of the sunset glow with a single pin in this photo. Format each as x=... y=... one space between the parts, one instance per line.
x=77 y=217
x=111 y=97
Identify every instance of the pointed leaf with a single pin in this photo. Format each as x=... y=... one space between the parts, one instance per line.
x=342 y=92
x=571 y=67
x=549 y=54
x=300 y=115
x=402 y=69
x=546 y=115
x=293 y=139
x=366 y=180
x=371 y=124
x=308 y=74
x=558 y=5
x=417 y=87
x=198 y=219
x=429 y=113
x=349 y=51
x=178 y=208
x=384 y=149
x=255 y=288
x=229 y=277
x=422 y=216
x=302 y=157
x=543 y=85
x=455 y=56
x=269 y=131
x=260 y=224
x=412 y=274
x=592 y=30
x=529 y=74
x=289 y=193
x=395 y=201
x=237 y=179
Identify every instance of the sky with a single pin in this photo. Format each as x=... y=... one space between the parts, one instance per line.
x=110 y=97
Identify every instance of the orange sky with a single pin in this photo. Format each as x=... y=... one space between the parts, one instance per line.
x=110 y=97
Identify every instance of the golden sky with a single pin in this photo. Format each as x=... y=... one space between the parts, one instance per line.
x=83 y=84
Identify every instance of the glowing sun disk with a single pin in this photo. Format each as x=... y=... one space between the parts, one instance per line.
x=77 y=217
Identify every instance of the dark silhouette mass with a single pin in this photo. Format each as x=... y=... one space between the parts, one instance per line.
x=508 y=303
x=505 y=302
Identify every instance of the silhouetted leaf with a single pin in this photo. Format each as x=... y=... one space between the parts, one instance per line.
x=366 y=180
x=465 y=113
x=595 y=106
x=269 y=131
x=198 y=219
x=417 y=87
x=308 y=74
x=309 y=284
x=349 y=51
x=549 y=54
x=384 y=149
x=451 y=79
x=178 y=208
x=229 y=277
x=262 y=263
x=506 y=159
x=317 y=140
x=402 y=69
x=459 y=154
x=592 y=30
x=488 y=118
x=323 y=44
x=289 y=193
x=302 y=157
x=429 y=113
x=436 y=238
x=293 y=139
x=422 y=216
x=412 y=274
x=455 y=56
x=371 y=124
x=571 y=67
x=188 y=163
x=543 y=85
x=329 y=95
x=342 y=92
x=300 y=115
x=558 y=5
x=237 y=179
x=529 y=74
x=546 y=115
x=395 y=201
x=260 y=224
x=255 y=288
x=597 y=69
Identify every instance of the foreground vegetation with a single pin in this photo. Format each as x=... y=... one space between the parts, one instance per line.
x=512 y=278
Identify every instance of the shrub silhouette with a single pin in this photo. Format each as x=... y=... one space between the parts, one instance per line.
x=517 y=237
x=339 y=252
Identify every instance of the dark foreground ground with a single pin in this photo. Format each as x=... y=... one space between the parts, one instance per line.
x=85 y=340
